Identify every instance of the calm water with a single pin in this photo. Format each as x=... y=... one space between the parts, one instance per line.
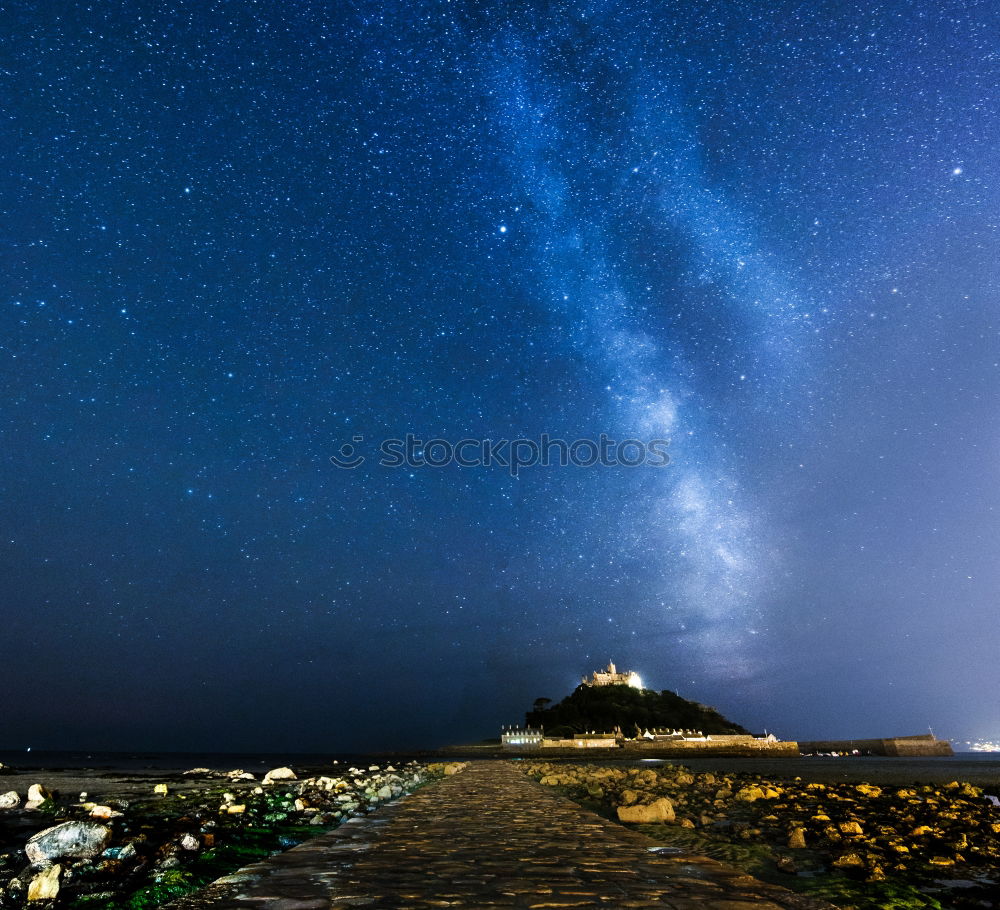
x=176 y=761
x=979 y=768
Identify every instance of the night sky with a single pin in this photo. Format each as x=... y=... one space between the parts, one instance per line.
x=236 y=235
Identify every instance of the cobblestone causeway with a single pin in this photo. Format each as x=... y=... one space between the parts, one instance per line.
x=489 y=837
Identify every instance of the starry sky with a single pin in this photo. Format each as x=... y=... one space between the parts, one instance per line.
x=236 y=235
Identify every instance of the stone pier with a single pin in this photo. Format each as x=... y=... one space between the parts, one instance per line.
x=489 y=837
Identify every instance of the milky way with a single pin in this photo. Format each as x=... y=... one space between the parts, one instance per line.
x=238 y=236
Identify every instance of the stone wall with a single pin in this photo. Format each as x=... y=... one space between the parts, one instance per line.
x=923 y=745
x=732 y=746
x=584 y=743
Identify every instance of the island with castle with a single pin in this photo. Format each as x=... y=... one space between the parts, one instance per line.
x=611 y=709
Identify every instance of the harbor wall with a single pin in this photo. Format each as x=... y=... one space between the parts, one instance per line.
x=736 y=746
x=907 y=746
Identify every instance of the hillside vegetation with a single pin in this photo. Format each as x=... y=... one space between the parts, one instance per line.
x=602 y=708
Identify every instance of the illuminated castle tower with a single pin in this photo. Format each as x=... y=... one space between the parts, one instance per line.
x=611 y=677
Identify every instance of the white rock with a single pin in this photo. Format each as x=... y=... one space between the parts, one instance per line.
x=45 y=885
x=9 y=800
x=279 y=774
x=37 y=794
x=76 y=839
x=189 y=842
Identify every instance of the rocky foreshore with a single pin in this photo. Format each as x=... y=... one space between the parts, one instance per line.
x=160 y=840
x=855 y=844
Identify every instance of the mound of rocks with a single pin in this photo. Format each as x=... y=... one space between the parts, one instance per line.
x=917 y=834
x=121 y=847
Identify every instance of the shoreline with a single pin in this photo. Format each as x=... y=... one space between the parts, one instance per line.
x=115 y=840
x=289 y=811
x=852 y=843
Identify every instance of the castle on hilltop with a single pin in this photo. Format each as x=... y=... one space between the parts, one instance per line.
x=611 y=677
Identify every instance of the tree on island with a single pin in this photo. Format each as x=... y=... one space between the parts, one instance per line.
x=603 y=708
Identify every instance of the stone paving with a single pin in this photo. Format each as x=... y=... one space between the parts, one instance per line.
x=489 y=837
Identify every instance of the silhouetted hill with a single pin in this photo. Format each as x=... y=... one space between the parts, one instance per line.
x=602 y=708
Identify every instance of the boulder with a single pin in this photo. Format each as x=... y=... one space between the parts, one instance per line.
x=662 y=810
x=849 y=861
x=189 y=842
x=750 y=794
x=787 y=865
x=797 y=838
x=850 y=828
x=37 y=794
x=279 y=774
x=81 y=840
x=9 y=800
x=45 y=885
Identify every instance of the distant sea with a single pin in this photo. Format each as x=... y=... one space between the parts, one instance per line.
x=980 y=768
x=137 y=762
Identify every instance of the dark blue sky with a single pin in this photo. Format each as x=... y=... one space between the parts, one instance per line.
x=237 y=235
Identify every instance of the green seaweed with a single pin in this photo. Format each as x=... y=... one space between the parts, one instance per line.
x=168 y=885
x=846 y=892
